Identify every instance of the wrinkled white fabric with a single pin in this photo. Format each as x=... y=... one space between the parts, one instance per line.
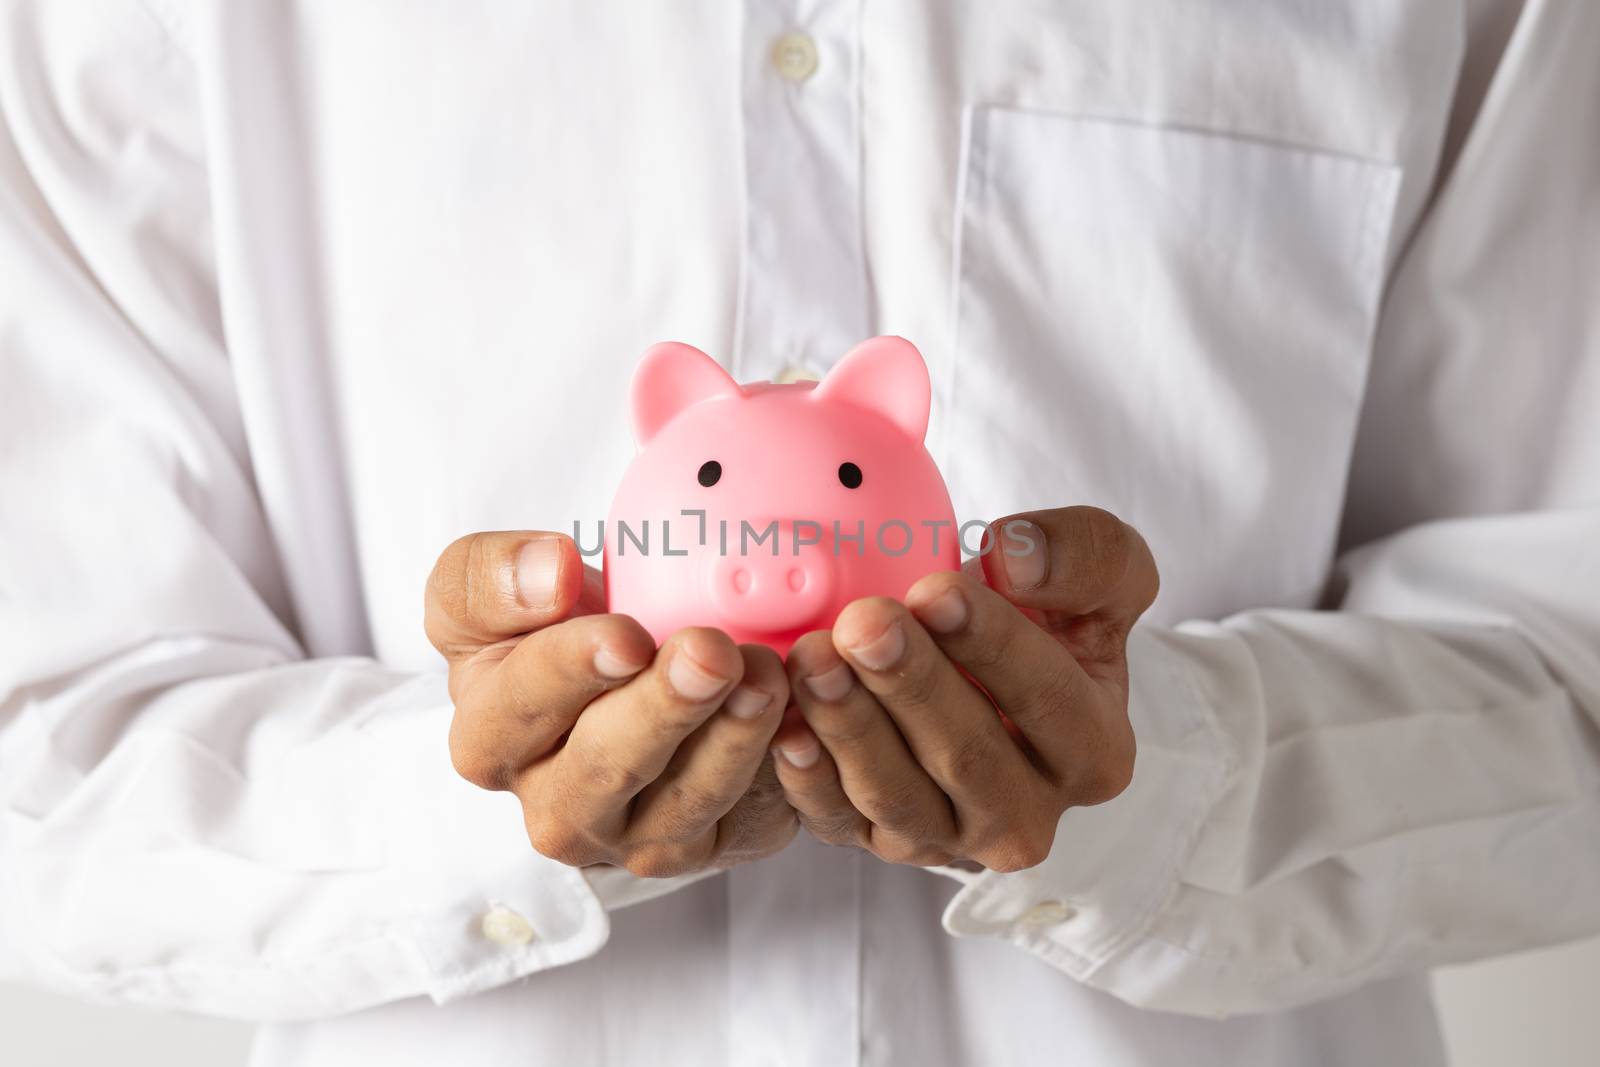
x=293 y=295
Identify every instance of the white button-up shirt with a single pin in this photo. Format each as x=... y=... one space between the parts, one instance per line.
x=293 y=294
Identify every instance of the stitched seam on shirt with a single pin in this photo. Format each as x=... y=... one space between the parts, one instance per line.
x=547 y=952
x=1251 y=138
x=870 y=301
x=969 y=150
x=145 y=972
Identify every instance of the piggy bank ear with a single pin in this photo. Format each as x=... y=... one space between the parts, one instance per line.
x=886 y=375
x=673 y=376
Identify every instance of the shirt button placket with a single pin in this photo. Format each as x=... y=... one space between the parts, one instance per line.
x=804 y=297
x=795 y=922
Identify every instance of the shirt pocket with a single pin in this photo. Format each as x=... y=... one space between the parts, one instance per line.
x=1170 y=323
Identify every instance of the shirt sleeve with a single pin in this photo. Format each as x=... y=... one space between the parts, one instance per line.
x=1327 y=798
x=195 y=814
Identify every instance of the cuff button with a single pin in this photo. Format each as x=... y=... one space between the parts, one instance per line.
x=505 y=927
x=1048 y=913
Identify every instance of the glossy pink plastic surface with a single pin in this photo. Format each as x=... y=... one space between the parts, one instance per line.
x=781 y=454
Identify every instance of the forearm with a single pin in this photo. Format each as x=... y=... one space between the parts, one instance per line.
x=197 y=824
x=1322 y=799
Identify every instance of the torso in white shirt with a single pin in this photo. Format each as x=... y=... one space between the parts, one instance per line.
x=1141 y=244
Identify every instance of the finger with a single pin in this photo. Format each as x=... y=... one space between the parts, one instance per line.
x=507 y=718
x=487 y=587
x=1071 y=562
x=761 y=822
x=811 y=785
x=1041 y=687
x=715 y=765
x=949 y=725
x=877 y=769
x=592 y=592
x=626 y=738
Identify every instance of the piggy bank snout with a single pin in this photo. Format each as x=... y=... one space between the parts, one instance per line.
x=774 y=591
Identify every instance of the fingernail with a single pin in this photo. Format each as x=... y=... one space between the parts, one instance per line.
x=609 y=664
x=747 y=703
x=537 y=564
x=1026 y=570
x=831 y=684
x=802 y=752
x=692 y=681
x=883 y=651
x=945 y=613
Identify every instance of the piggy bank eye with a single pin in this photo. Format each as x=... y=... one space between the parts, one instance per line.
x=710 y=471
x=849 y=475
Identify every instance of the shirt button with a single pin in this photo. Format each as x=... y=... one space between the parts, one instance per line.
x=1047 y=913
x=795 y=56
x=505 y=927
x=794 y=372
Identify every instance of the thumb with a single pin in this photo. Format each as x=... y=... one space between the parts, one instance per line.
x=487 y=587
x=1072 y=561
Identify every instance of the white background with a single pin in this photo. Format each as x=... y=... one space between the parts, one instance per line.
x=1535 y=1010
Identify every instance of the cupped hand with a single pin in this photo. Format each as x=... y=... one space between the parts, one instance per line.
x=960 y=725
x=652 y=760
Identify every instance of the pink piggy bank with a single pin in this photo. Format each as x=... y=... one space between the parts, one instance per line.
x=763 y=509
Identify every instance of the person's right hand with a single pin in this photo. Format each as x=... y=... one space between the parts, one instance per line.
x=656 y=761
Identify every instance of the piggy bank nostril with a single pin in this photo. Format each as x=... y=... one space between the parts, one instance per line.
x=741 y=581
x=797 y=579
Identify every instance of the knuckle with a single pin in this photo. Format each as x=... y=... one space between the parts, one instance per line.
x=834 y=828
x=903 y=808
x=1045 y=694
x=970 y=759
x=603 y=772
x=678 y=716
x=476 y=553
x=1103 y=642
x=766 y=791
x=470 y=587
x=917 y=688
x=1105 y=537
x=1099 y=546
x=657 y=860
x=1144 y=569
x=907 y=851
x=841 y=730
x=1017 y=850
x=672 y=720
x=894 y=850
x=754 y=831
x=1108 y=775
x=690 y=810
x=477 y=766
x=755 y=849
x=559 y=842
x=988 y=654
x=446 y=588
x=517 y=700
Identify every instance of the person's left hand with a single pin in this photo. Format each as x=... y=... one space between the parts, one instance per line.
x=896 y=750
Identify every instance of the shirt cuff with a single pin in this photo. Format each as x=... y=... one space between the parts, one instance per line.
x=618 y=889
x=1114 y=866
x=482 y=907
